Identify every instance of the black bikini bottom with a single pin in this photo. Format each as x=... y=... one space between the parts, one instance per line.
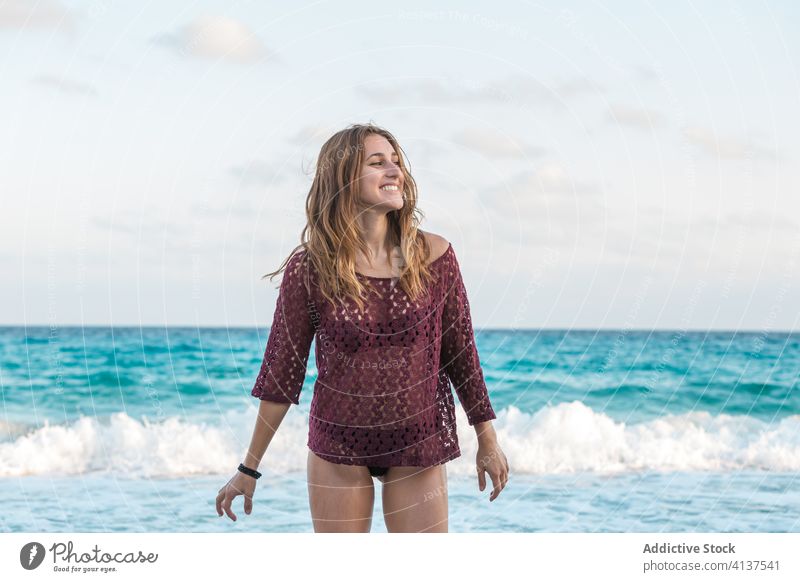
x=377 y=471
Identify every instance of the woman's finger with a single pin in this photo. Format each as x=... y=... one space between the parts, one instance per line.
x=503 y=482
x=481 y=478
x=496 y=482
x=220 y=497
x=226 y=505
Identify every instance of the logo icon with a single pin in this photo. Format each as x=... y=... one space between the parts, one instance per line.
x=31 y=555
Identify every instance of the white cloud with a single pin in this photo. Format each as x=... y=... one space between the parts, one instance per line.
x=312 y=134
x=762 y=221
x=26 y=14
x=634 y=117
x=547 y=204
x=514 y=91
x=726 y=146
x=552 y=177
x=67 y=86
x=259 y=173
x=495 y=144
x=644 y=73
x=216 y=37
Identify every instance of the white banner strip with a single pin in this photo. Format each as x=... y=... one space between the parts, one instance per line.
x=386 y=557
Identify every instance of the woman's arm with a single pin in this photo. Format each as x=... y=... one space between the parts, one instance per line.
x=485 y=431
x=460 y=354
x=270 y=416
x=463 y=367
x=283 y=368
x=280 y=380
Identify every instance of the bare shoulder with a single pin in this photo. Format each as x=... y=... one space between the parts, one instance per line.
x=438 y=244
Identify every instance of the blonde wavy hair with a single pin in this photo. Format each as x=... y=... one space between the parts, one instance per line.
x=331 y=236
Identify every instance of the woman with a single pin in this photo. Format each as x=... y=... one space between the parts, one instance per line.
x=388 y=307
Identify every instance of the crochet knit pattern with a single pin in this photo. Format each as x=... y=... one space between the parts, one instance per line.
x=383 y=391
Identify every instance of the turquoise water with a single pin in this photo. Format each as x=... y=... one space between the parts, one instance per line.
x=604 y=431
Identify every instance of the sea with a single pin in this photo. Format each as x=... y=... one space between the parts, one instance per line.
x=135 y=429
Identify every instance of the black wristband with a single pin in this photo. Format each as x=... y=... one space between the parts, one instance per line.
x=248 y=471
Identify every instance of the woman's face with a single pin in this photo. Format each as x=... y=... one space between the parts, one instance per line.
x=381 y=179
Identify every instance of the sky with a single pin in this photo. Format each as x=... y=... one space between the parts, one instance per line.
x=596 y=165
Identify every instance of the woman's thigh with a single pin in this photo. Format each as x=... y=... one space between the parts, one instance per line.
x=341 y=496
x=415 y=499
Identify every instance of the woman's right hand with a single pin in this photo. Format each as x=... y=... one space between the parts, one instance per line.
x=240 y=484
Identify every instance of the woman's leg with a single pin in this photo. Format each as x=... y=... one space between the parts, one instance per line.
x=415 y=499
x=341 y=496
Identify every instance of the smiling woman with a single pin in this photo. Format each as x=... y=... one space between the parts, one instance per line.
x=388 y=306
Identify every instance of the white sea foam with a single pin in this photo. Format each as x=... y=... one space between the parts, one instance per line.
x=566 y=438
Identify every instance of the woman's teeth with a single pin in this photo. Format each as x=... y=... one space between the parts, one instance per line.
x=389 y=188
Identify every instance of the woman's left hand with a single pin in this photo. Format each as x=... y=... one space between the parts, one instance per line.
x=492 y=460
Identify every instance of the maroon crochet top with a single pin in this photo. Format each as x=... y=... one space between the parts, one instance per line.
x=382 y=395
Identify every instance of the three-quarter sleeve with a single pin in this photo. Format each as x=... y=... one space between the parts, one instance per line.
x=459 y=353
x=283 y=368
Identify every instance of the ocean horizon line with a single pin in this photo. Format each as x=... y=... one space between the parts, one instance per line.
x=477 y=329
